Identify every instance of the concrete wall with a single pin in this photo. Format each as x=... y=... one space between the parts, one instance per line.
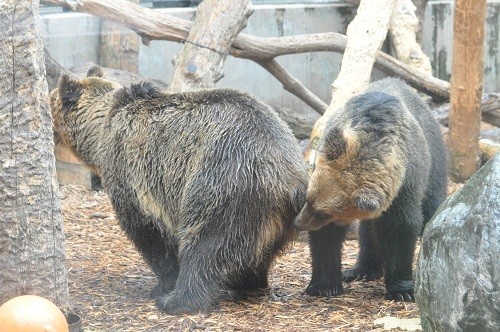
x=74 y=38
x=438 y=35
x=315 y=70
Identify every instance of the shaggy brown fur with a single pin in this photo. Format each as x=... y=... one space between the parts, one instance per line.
x=383 y=161
x=206 y=183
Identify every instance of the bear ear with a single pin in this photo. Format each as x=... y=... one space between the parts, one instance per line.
x=70 y=91
x=144 y=89
x=334 y=144
x=121 y=98
x=95 y=71
x=367 y=200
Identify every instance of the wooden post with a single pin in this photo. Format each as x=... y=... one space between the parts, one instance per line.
x=466 y=88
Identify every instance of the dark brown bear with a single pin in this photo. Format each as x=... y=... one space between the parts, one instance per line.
x=382 y=161
x=206 y=184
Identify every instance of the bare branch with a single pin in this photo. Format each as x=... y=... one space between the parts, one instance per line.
x=153 y=25
x=292 y=85
x=147 y=23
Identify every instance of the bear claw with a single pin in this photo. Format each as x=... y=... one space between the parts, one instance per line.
x=325 y=291
x=400 y=296
x=361 y=274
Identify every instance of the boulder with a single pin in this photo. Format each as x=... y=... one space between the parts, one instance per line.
x=457 y=280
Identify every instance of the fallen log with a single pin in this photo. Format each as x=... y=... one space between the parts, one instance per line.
x=490 y=110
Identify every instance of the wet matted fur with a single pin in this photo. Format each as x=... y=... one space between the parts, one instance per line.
x=206 y=183
x=383 y=162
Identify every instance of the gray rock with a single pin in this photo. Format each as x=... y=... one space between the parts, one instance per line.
x=458 y=272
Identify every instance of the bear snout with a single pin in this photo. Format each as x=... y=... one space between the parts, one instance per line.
x=310 y=220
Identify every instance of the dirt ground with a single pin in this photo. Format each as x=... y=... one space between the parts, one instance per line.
x=109 y=285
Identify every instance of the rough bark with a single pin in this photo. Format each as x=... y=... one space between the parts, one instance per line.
x=119 y=47
x=365 y=35
x=200 y=62
x=32 y=256
x=466 y=87
x=403 y=32
x=150 y=24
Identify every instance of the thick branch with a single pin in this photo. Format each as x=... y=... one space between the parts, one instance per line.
x=490 y=110
x=200 y=62
x=147 y=23
x=403 y=31
x=151 y=24
x=292 y=85
x=428 y=84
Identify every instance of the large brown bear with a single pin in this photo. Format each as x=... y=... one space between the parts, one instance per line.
x=206 y=183
x=382 y=161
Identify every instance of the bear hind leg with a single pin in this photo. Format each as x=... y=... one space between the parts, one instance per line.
x=158 y=252
x=368 y=265
x=204 y=275
x=159 y=255
x=252 y=280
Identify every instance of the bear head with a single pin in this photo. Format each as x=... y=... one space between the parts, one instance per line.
x=72 y=97
x=359 y=170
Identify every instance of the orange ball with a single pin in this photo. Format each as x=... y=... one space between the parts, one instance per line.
x=30 y=313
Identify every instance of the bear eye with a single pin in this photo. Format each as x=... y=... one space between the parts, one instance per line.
x=334 y=144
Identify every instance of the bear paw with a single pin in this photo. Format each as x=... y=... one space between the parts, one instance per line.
x=400 y=296
x=315 y=289
x=358 y=273
x=400 y=291
x=175 y=305
x=158 y=290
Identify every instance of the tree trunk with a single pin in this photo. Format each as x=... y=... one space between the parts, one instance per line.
x=119 y=46
x=365 y=36
x=32 y=256
x=200 y=62
x=403 y=31
x=421 y=5
x=466 y=88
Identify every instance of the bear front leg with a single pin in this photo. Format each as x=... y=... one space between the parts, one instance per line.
x=326 y=252
x=368 y=265
x=398 y=230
